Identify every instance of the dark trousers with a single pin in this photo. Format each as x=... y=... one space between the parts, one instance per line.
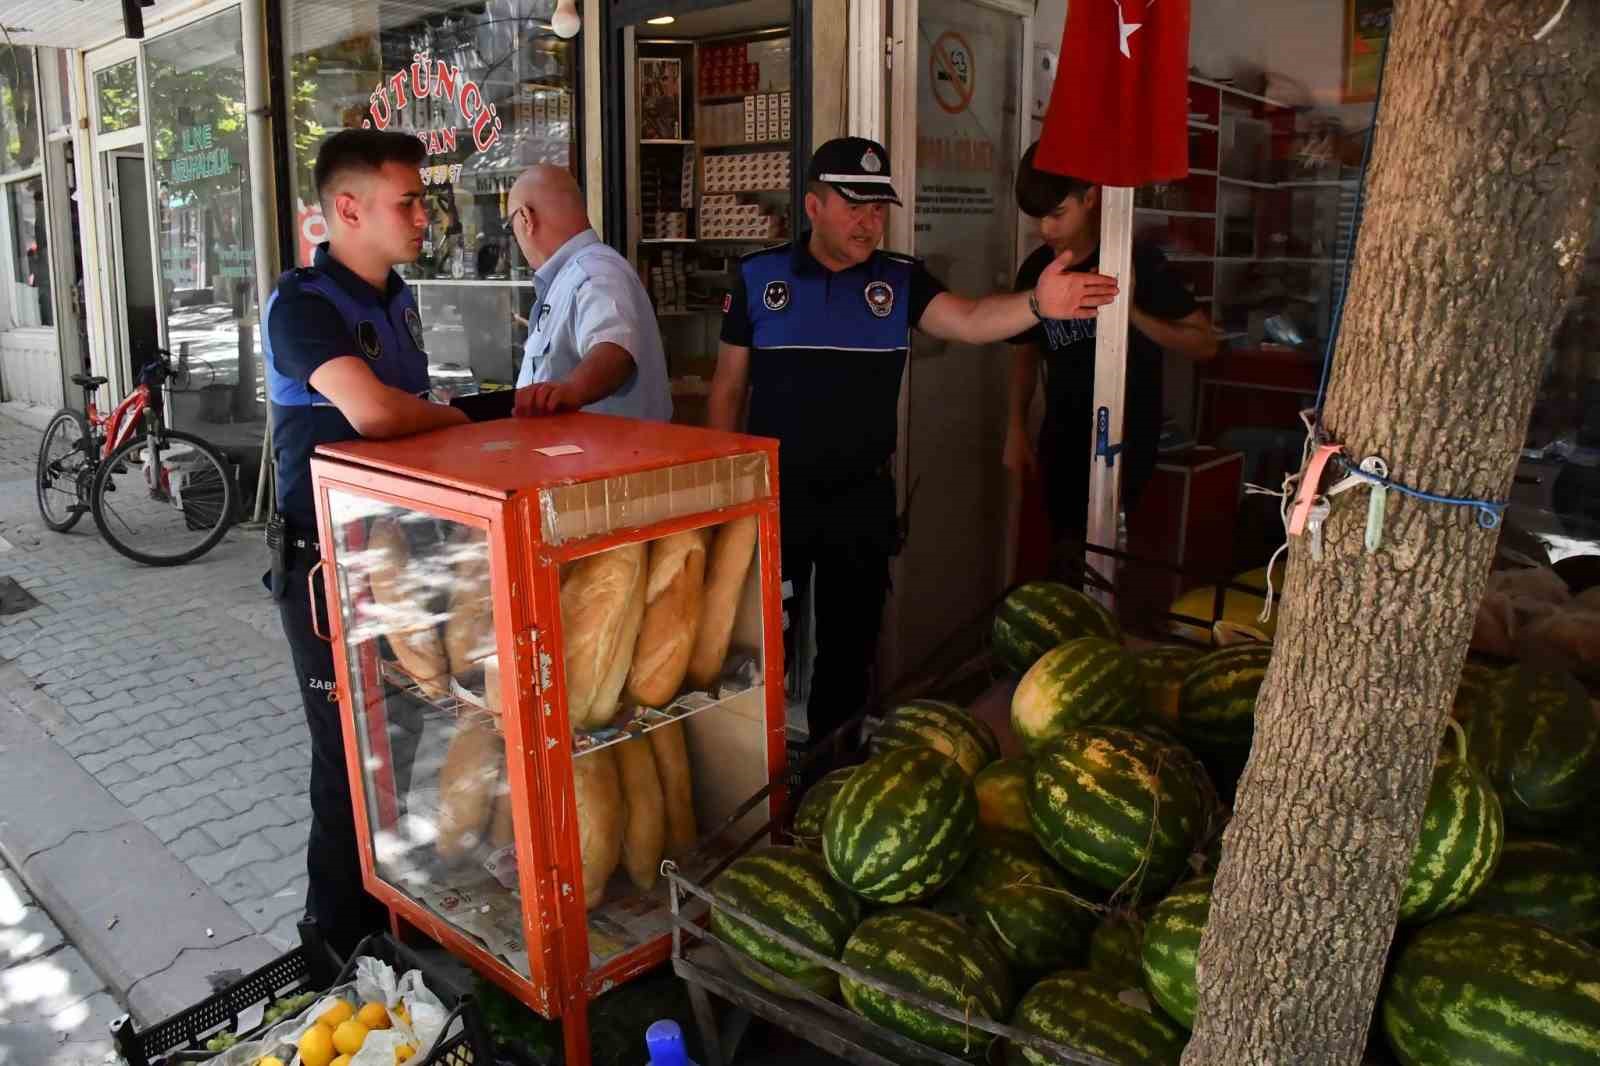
x=334 y=896
x=844 y=532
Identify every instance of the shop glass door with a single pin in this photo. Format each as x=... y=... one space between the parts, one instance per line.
x=968 y=84
x=133 y=286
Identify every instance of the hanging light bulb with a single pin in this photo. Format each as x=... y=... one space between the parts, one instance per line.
x=565 y=20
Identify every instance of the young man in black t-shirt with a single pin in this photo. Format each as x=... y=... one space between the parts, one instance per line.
x=1164 y=316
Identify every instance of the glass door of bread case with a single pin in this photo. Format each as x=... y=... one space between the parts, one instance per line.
x=418 y=629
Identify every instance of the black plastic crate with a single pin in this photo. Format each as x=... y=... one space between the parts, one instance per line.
x=312 y=966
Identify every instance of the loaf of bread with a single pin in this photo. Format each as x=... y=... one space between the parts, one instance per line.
x=672 y=767
x=602 y=603
x=469 y=630
x=645 y=833
x=408 y=623
x=671 y=618
x=502 y=829
x=731 y=552
x=598 y=796
x=467 y=784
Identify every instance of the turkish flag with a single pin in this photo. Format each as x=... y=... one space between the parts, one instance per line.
x=1119 y=109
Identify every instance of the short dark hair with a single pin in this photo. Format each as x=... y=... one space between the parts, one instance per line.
x=818 y=189
x=1040 y=192
x=363 y=152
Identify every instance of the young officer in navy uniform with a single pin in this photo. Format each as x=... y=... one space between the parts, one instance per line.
x=816 y=333
x=343 y=347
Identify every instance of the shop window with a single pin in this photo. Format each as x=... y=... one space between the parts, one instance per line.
x=27 y=253
x=206 y=248
x=19 y=111
x=489 y=90
x=116 y=90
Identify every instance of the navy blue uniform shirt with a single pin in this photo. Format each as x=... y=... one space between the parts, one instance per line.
x=827 y=351
x=319 y=313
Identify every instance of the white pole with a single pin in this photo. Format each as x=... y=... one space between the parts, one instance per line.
x=1110 y=374
x=263 y=201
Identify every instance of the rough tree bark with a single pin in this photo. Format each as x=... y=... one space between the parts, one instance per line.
x=1481 y=198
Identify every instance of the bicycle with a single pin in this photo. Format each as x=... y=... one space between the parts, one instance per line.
x=134 y=482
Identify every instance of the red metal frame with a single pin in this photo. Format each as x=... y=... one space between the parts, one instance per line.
x=447 y=474
x=119 y=425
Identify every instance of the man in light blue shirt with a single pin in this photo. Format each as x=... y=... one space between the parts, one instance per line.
x=593 y=342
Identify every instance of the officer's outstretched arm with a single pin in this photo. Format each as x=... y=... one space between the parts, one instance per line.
x=377 y=410
x=1060 y=293
x=725 y=407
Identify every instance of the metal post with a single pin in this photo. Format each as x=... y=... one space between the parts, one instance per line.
x=263 y=198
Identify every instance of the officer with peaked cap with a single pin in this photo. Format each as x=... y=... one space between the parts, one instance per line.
x=814 y=336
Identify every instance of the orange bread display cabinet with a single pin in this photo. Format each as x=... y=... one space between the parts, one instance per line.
x=559 y=654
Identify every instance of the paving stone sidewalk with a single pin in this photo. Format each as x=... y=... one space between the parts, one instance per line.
x=54 y=1009
x=172 y=688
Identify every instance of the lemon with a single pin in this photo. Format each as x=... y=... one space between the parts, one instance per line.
x=373 y=1016
x=404 y=1052
x=342 y=1060
x=341 y=1011
x=316 y=1046
x=349 y=1037
x=270 y=1060
x=400 y=1012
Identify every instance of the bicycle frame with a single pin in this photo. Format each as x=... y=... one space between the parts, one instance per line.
x=123 y=421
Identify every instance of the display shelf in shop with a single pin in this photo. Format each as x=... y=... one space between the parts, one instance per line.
x=667 y=140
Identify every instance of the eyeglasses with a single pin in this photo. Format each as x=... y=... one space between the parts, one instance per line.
x=510 y=226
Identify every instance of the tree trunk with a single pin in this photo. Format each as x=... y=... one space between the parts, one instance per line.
x=1481 y=198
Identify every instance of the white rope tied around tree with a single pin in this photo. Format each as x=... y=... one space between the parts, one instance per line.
x=1555 y=20
x=1291 y=482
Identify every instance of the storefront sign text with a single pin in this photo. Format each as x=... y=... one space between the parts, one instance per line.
x=200 y=158
x=430 y=80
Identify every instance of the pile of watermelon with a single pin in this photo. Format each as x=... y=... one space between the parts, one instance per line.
x=1064 y=893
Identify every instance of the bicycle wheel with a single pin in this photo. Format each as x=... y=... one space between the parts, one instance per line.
x=164 y=498
x=65 y=454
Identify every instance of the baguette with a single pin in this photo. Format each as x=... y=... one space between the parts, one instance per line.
x=409 y=627
x=602 y=602
x=502 y=828
x=672 y=767
x=731 y=553
x=467 y=784
x=469 y=631
x=671 y=618
x=597 y=793
x=644 y=837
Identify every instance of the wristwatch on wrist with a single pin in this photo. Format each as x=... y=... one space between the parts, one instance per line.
x=1033 y=304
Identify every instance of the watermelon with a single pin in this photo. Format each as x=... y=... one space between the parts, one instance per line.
x=902 y=826
x=1000 y=858
x=1462 y=833
x=1479 y=685
x=944 y=727
x=1037 y=616
x=933 y=955
x=1217 y=708
x=1116 y=809
x=1171 y=943
x=1116 y=947
x=1486 y=989
x=1002 y=789
x=1556 y=885
x=787 y=889
x=813 y=809
x=1088 y=681
x=1039 y=929
x=1539 y=744
x=1076 y=1009
x=1164 y=667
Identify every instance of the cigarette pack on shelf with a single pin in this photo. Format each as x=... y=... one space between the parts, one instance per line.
x=748 y=172
x=559 y=661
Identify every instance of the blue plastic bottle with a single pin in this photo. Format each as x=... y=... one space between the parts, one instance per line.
x=665 y=1041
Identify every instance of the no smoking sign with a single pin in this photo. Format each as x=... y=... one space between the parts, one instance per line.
x=951 y=68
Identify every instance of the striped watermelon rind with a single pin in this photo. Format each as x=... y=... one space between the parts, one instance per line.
x=944 y=727
x=1554 y=884
x=1077 y=1009
x=1115 y=809
x=901 y=827
x=1000 y=858
x=1088 y=681
x=1539 y=745
x=919 y=951
x=1482 y=988
x=788 y=889
x=1164 y=668
x=1002 y=789
x=1038 y=928
x=1216 y=707
x=1116 y=947
x=813 y=809
x=1171 y=945
x=1039 y=615
x=1460 y=841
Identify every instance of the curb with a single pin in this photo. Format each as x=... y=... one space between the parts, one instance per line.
x=159 y=937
